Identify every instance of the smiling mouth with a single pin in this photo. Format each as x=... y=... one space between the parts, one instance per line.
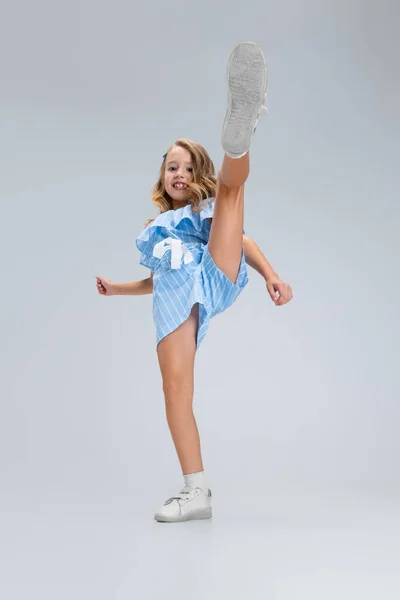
x=179 y=186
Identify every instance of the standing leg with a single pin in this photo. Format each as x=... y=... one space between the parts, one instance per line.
x=176 y=355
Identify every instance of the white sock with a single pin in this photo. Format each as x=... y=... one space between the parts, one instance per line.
x=196 y=480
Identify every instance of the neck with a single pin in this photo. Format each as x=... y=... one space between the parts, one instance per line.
x=180 y=205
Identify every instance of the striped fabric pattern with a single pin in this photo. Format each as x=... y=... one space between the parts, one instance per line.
x=176 y=290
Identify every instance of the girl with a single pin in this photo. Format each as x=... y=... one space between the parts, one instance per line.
x=197 y=253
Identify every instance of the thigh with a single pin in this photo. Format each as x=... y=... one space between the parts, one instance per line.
x=225 y=243
x=176 y=355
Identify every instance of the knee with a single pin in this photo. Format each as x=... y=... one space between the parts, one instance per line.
x=175 y=383
x=178 y=391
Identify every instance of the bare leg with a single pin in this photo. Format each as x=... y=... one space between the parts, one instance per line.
x=247 y=86
x=176 y=355
x=235 y=171
x=226 y=236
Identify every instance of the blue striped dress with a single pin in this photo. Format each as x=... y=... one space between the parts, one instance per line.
x=175 y=248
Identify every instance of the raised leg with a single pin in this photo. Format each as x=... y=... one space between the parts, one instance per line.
x=226 y=236
x=176 y=355
x=247 y=86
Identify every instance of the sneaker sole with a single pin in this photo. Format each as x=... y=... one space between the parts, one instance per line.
x=247 y=76
x=204 y=513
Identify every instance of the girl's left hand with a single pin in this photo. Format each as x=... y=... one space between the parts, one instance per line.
x=276 y=286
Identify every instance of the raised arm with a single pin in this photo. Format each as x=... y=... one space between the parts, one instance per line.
x=256 y=259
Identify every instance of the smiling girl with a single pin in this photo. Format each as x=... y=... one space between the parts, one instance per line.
x=198 y=253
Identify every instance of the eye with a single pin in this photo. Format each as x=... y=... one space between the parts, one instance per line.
x=189 y=169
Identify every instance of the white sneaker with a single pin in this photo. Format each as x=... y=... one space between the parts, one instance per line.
x=247 y=91
x=191 y=503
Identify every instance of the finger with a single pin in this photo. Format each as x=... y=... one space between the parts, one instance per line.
x=274 y=294
x=282 y=300
x=287 y=293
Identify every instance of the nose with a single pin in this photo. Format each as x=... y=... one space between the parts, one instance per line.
x=180 y=173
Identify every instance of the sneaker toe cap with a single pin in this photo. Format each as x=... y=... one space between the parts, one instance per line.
x=168 y=510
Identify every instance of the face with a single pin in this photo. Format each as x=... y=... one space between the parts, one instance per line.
x=178 y=173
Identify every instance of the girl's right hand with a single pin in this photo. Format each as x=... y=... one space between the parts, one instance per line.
x=104 y=286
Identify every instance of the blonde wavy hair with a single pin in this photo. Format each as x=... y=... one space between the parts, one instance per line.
x=202 y=187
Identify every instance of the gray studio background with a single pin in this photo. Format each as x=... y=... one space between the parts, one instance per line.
x=298 y=406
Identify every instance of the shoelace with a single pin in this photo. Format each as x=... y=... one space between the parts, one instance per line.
x=263 y=112
x=185 y=494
